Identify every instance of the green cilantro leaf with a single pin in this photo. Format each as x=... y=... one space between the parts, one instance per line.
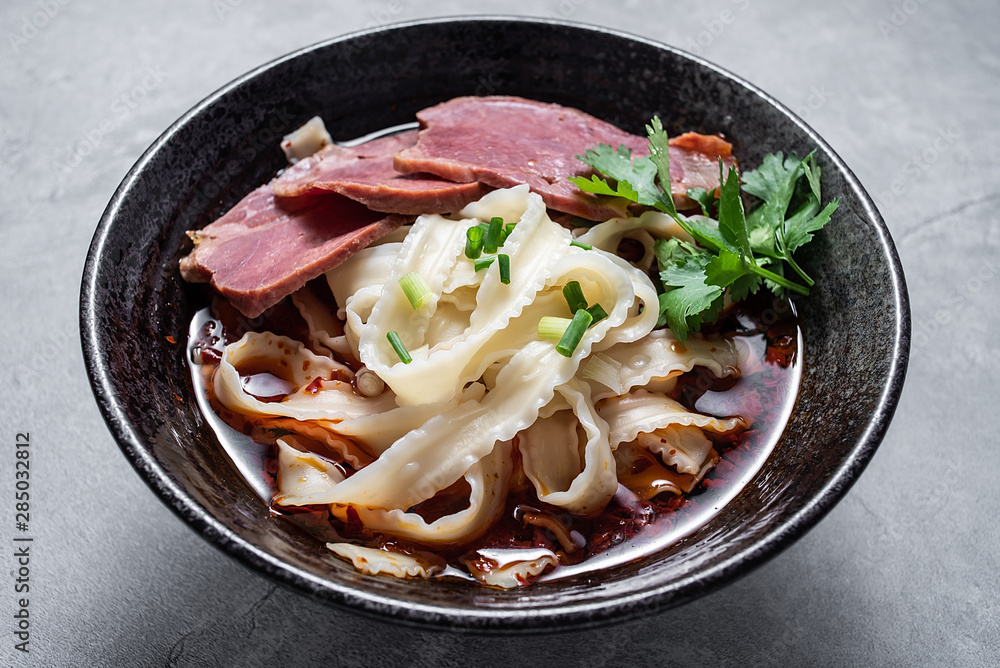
x=745 y=285
x=800 y=226
x=708 y=235
x=774 y=183
x=762 y=238
x=730 y=271
x=732 y=221
x=704 y=199
x=811 y=170
x=687 y=300
x=773 y=231
x=639 y=174
x=725 y=268
x=659 y=154
x=599 y=186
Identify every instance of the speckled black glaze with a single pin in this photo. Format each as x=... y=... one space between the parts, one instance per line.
x=856 y=322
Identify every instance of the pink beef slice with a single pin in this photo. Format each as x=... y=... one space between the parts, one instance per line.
x=262 y=251
x=696 y=157
x=504 y=141
x=365 y=174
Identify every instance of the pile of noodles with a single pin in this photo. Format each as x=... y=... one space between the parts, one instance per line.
x=481 y=382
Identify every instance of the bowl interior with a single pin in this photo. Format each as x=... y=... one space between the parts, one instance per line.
x=856 y=322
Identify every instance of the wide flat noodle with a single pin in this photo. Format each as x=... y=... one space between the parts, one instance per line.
x=357 y=285
x=685 y=448
x=645 y=229
x=574 y=475
x=641 y=412
x=301 y=474
x=382 y=562
x=657 y=355
x=647 y=480
x=509 y=568
x=314 y=397
x=316 y=401
x=380 y=430
x=326 y=332
x=488 y=480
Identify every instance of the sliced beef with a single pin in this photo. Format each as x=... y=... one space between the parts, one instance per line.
x=696 y=158
x=263 y=250
x=505 y=141
x=365 y=174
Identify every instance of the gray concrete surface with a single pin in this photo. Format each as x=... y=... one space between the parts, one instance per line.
x=903 y=572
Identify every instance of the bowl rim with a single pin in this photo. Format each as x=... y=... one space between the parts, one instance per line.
x=429 y=616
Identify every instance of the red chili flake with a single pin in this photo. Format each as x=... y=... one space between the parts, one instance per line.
x=171 y=339
x=315 y=386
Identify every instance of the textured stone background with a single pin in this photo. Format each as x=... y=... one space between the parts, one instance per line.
x=902 y=572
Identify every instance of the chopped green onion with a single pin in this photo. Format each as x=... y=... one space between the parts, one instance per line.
x=415 y=289
x=551 y=327
x=574 y=296
x=474 y=242
x=504 y=268
x=598 y=313
x=397 y=345
x=571 y=337
x=507 y=229
x=492 y=241
x=580 y=244
x=481 y=263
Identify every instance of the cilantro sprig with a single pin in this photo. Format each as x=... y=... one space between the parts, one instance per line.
x=790 y=211
x=735 y=252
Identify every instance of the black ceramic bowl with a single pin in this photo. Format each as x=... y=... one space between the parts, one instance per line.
x=856 y=322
